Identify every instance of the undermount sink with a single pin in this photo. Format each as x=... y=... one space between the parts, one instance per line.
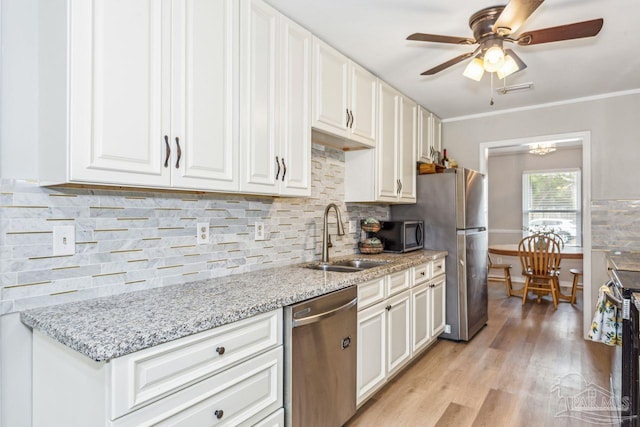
x=349 y=266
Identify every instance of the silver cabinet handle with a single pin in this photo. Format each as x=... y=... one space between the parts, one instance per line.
x=179 y=153
x=318 y=317
x=284 y=172
x=168 y=150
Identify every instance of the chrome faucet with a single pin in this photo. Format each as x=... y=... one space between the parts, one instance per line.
x=326 y=238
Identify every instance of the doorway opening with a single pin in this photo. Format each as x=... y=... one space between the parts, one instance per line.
x=570 y=141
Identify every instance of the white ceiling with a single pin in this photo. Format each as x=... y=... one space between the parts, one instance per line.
x=373 y=33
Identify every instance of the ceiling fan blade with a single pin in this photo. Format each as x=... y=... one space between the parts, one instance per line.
x=440 y=39
x=563 y=32
x=514 y=15
x=447 y=64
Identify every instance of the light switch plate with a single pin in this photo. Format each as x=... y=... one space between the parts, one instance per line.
x=352 y=226
x=64 y=240
x=202 y=234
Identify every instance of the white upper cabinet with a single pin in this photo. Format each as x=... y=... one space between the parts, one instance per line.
x=145 y=97
x=429 y=129
x=275 y=131
x=204 y=74
x=344 y=96
x=387 y=173
x=407 y=150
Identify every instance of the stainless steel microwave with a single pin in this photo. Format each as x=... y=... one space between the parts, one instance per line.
x=401 y=236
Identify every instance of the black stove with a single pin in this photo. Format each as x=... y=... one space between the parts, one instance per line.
x=625 y=366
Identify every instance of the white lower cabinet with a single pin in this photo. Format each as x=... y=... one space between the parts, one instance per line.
x=438 y=305
x=372 y=351
x=399 y=316
x=231 y=375
x=384 y=344
x=421 y=319
x=398 y=331
x=274 y=420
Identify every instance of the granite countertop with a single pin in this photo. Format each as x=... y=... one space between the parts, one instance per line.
x=625 y=261
x=110 y=327
x=636 y=300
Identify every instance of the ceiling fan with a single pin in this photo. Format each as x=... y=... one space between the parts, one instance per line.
x=492 y=27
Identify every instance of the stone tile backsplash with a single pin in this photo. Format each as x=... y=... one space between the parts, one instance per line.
x=615 y=225
x=133 y=240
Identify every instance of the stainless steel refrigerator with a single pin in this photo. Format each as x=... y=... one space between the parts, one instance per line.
x=453 y=207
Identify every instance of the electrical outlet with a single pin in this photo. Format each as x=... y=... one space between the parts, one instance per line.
x=352 y=226
x=447 y=329
x=202 y=233
x=64 y=240
x=259 y=231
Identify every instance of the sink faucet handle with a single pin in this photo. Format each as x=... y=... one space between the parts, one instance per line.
x=329 y=244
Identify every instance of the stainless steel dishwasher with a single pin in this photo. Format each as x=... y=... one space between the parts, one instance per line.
x=320 y=348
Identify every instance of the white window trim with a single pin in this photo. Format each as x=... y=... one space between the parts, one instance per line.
x=578 y=210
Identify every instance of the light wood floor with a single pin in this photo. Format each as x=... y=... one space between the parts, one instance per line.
x=502 y=377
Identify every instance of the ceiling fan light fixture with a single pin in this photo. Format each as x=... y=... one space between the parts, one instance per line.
x=493 y=59
x=474 y=70
x=509 y=67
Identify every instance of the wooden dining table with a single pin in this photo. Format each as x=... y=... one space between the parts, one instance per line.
x=511 y=249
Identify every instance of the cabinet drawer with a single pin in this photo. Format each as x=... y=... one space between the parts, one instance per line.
x=398 y=282
x=422 y=273
x=438 y=267
x=242 y=395
x=145 y=376
x=370 y=293
x=274 y=420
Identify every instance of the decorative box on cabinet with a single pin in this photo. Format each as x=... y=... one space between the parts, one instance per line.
x=232 y=373
x=387 y=173
x=344 y=96
x=275 y=107
x=139 y=93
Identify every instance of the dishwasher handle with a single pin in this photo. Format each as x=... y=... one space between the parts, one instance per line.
x=318 y=317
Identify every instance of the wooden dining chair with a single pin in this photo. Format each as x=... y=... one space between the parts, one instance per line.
x=505 y=270
x=540 y=260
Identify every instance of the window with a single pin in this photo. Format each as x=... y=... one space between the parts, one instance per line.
x=551 y=202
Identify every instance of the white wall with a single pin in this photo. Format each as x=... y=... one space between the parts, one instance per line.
x=615 y=129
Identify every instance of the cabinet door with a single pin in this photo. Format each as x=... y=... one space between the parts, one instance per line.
x=436 y=132
x=205 y=37
x=363 y=106
x=330 y=93
x=120 y=95
x=371 y=350
x=438 y=306
x=295 y=110
x=386 y=147
x=258 y=98
x=424 y=142
x=398 y=331
x=407 y=151
x=421 y=313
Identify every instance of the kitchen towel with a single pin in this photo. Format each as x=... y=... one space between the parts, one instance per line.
x=607 y=324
